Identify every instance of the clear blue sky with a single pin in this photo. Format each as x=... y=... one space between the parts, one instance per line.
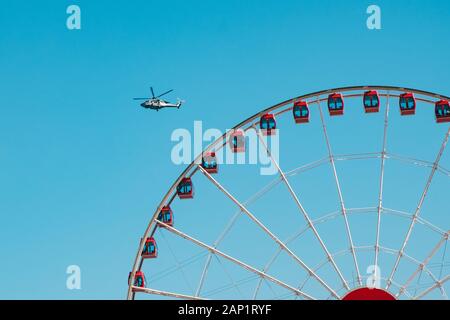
x=83 y=166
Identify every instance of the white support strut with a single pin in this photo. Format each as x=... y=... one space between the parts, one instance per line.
x=234 y=260
x=418 y=208
x=303 y=211
x=266 y=230
x=381 y=183
x=341 y=199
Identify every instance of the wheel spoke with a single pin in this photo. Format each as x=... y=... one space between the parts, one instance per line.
x=165 y=293
x=204 y=273
x=434 y=286
x=341 y=199
x=424 y=263
x=380 y=194
x=235 y=260
x=409 y=216
x=215 y=245
x=418 y=162
x=419 y=206
x=303 y=211
x=268 y=232
x=234 y=284
x=315 y=222
x=416 y=262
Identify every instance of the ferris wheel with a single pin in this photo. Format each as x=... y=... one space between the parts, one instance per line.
x=357 y=207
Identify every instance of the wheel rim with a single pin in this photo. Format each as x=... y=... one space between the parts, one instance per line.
x=282 y=109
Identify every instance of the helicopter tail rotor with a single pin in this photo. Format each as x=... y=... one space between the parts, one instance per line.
x=179 y=103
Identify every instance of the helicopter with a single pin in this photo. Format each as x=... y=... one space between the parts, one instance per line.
x=155 y=103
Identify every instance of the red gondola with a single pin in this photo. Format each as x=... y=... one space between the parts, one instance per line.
x=138 y=281
x=442 y=111
x=209 y=162
x=301 y=112
x=371 y=101
x=237 y=141
x=166 y=216
x=267 y=124
x=407 y=104
x=185 y=189
x=150 y=249
x=335 y=104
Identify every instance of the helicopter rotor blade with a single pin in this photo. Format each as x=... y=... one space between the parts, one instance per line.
x=162 y=94
x=141 y=98
x=153 y=94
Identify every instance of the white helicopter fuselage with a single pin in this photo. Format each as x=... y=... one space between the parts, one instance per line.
x=156 y=103
x=159 y=104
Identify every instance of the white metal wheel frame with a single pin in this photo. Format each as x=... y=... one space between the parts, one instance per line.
x=315 y=98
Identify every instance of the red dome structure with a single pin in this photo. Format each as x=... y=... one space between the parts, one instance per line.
x=368 y=294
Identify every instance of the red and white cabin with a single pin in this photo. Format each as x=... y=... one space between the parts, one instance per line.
x=166 y=216
x=335 y=104
x=407 y=103
x=150 y=249
x=267 y=124
x=371 y=101
x=209 y=162
x=185 y=189
x=442 y=111
x=300 y=111
x=138 y=281
x=237 y=141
